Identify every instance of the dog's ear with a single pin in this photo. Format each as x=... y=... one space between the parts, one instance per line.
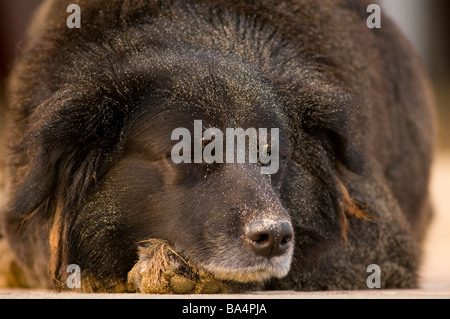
x=70 y=137
x=329 y=115
x=347 y=152
x=75 y=135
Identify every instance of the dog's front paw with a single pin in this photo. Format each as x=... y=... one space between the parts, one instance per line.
x=161 y=270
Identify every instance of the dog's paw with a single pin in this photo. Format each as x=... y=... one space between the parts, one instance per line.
x=161 y=270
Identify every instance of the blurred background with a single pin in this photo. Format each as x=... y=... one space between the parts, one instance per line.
x=425 y=22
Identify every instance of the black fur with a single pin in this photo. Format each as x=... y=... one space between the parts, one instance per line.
x=93 y=109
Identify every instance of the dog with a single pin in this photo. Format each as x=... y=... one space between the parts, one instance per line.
x=93 y=182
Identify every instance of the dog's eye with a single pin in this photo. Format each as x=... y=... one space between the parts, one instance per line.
x=263 y=151
x=259 y=163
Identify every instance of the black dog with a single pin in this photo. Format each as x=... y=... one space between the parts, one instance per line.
x=94 y=184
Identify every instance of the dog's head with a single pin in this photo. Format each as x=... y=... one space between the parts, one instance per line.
x=222 y=212
x=100 y=147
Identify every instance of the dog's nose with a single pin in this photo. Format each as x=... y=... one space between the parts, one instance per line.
x=269 y=238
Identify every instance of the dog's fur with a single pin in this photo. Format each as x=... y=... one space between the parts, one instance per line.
x=92 y=111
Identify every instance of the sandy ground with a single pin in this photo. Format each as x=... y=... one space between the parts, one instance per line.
x=436 y=267
x=435 y=272
x=364 y=294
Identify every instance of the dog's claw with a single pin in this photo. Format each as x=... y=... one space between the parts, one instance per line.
x=181 y=285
